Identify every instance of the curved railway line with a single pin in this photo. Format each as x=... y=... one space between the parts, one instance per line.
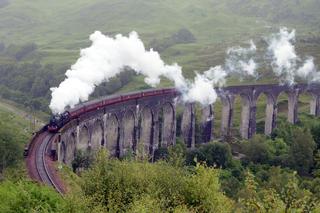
x=38 y=161
x=41 y=165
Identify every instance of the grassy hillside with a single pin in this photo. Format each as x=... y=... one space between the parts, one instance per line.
x=14 y=117
x=61 y=28
x=193 y=33
x=14 y=134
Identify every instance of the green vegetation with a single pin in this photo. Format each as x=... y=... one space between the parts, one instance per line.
x=82 y=160
x=40 y=40
x=29 y=84
x=113 y=185
x=213 y=154
x=276 y=174
x=25 y=196
x=14 y=133
x=17 y=193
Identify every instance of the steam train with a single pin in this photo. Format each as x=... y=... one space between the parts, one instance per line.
x=59 y=120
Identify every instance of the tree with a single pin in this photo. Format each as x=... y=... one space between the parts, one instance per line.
x=292 y=196
x=213 y=154
x=271 y=200
x=10 y=147
x=315 y=131
x=39 y=87
x=203 y=191
x=285 y=131
x=316 y=169
x=256 y=150
x=279 y=151
x=301 y=151
x=82 y=160
x=177 y=154
x=230 y=183
x=248 y=195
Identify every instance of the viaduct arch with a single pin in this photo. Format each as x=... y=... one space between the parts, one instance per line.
x=143 y=124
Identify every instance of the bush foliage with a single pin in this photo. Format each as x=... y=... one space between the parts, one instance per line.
x=118 y=186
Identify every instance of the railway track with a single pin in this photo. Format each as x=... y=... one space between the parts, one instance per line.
x=37 y=161
x=41 y=165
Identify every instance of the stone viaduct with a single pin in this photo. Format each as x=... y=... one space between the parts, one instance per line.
x=146 y=123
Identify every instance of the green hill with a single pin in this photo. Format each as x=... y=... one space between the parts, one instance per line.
x=61 y=28
x=193 y=33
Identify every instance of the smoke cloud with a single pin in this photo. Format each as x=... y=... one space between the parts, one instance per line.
x=201 y=90
x=108 y=56
x=240 y=61
x=285 y=61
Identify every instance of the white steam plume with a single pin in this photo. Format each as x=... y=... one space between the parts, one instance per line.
x=107 y=57
x=217 y=75
x=201 y=90
x=202 y=86
x=307 y=69
x=285 y=61
x=240 y=61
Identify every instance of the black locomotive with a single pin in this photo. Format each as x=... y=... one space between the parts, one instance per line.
x=58 y=120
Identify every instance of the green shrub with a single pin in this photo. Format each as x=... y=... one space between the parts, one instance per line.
x=257 y=150
x=82 y=160
x=119 y=186
x=25 y=196
x=301 y=151
x=213 y=154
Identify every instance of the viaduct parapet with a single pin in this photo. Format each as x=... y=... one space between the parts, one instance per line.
x=143 y=124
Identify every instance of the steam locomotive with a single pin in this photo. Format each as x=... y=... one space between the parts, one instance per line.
x=59 y=120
